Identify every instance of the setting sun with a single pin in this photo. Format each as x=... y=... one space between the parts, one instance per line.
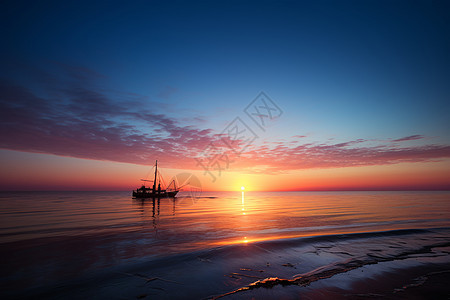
x=242 y=188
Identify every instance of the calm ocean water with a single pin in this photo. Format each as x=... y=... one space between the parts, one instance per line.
x=53 y=236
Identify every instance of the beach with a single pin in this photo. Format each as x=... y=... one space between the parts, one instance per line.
x=225 y=150
x=308 y=245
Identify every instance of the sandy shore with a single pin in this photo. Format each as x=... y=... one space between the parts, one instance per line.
x=403 y=264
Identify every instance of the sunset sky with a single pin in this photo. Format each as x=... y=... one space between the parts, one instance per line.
x=357 y=94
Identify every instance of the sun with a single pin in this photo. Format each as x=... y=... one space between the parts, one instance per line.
x=242 y=188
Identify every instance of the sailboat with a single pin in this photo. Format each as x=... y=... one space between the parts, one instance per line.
x=156 y=191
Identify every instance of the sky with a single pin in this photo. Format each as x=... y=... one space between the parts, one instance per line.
x=270 y=95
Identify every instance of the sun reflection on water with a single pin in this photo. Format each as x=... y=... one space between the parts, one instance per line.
x=243 y=203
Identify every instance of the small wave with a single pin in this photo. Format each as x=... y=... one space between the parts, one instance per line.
x=346 y=265
x=346 y=236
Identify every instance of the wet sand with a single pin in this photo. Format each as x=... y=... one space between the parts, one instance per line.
x=412 y=264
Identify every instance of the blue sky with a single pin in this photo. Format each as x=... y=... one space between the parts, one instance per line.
x=340 y=70
x=358 y=59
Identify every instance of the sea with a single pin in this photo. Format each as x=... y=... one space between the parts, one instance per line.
x=79 y=245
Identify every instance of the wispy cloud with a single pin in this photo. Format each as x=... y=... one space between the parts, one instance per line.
x=91 y=124
x=75 y=118
x=283 y=157
x=409 y=138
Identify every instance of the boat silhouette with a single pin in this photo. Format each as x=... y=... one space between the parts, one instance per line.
x=156 y=191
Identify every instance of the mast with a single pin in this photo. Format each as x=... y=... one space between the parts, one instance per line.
x=154 y=182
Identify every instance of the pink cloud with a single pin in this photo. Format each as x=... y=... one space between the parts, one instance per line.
x=309 y=156
x=84 y=122
x=88 y=124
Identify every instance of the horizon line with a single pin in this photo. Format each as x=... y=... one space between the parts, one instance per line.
x=270 y=191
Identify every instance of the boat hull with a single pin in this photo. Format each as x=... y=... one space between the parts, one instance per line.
x=154 y=195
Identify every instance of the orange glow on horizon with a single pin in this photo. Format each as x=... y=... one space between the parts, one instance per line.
x=31 y=171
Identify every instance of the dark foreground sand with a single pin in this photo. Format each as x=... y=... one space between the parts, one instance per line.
x=403 y=264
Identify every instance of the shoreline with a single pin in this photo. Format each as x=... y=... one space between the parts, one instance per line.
x=341 y=266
